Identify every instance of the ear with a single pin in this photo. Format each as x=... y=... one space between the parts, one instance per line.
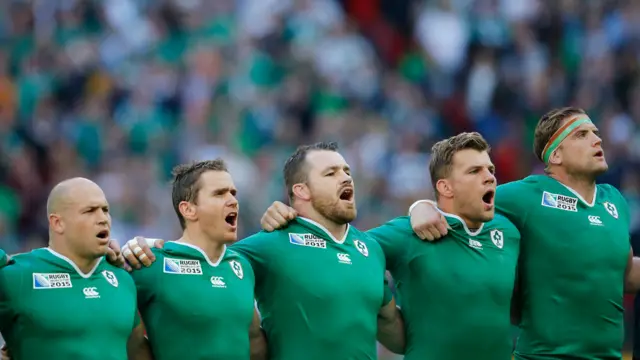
x=188 y=211
x=302 y=191
x=444 y=188
x=56 y=224
x=556 y=157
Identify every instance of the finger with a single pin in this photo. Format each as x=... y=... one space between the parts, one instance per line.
x=264 y=223
x=143 y=243
x=281 y=208
x=273 y=224
x=127 y=267
x=441 y=228
x=144 y=259
x=444 y=222
x=130 y=257
x=292 y=214
x=113 y=245
x=434 y=232
x=280 y=219
x=421 y=234
x=156 y=243
x=111 y=256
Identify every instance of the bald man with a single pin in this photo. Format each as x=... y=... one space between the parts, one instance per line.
x=64 y=301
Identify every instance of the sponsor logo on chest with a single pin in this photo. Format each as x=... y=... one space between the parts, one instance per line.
x=182 y=266
x=218 y=282
x=91 y=292
x=308 y=240
x=558 y=201
x=475 y=244
x=344 y=258
x=51 y=281
x=594 y=220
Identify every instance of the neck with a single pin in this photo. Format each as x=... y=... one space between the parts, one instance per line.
x=448 y=206
x=335 y=229
x=212 y=247
x=84 y=263
x=585 y=186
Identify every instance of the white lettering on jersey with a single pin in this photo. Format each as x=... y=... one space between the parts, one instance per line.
x=111 y=277
x=51 y=281
x=308 y=240
x=237 y=268
x=182 y=266
x=594 y=220
x=218 y=282
x=558 y=201
x=497 y=238
x=344 y=258
x=611 y=209
x=91 y=293
x=362 y=247
x=475 y=244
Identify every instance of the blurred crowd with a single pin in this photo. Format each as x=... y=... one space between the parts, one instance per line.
x=121 y=91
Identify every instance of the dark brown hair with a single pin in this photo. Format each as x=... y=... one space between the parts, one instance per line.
x=295 y=171
x=186 y=182
x=548 y=124
x=443 y=151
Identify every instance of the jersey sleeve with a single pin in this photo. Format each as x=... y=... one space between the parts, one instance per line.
x=509 y=203
x=8 y=287
x=4 y=259
x=388 y=295
x=255 y=249
x=145 y=280
x=394 y=238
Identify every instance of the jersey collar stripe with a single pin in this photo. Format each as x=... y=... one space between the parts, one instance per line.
x=595 y=194
x=214 y=264
x=324 y=229
x=464 y=224
x=73 y=265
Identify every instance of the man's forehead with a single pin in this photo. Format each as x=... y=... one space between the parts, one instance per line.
x=469 y=158
x=323 y=159
x=216 y=180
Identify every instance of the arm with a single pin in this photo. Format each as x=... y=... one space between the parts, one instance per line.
x=138 y=347
x=391 y=328
x=632 y=276
x=257 y=339
x=426 y=221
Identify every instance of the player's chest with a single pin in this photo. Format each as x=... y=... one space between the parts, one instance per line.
x=465 y=264
x=597 y=233
x=194 y=288
x=64 y=303
x=350 y=267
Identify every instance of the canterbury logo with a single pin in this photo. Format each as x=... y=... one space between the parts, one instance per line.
x=91 y=292
x=218 y=281
x=344 y=258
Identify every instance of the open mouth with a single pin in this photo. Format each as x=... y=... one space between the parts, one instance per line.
x=599 y=154
x=488 y=197
x=104 y=234
x=231 y=218
x=346 y=194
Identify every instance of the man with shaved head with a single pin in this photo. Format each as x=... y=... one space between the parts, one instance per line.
x=64 y=301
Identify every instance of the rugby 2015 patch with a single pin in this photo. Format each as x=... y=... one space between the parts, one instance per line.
x=308 y=240
x=182 y=266
x=51 y=281
x=558 y=201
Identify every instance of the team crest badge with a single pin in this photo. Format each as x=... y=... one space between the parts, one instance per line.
x=361 y=247
x=611 y=209
x=237 y=268
x=497 y=238
x=111 y=277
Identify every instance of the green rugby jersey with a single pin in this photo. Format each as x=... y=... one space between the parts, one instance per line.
x=193 y=308
x=572 y=268
x=319 y=296
x=50 y=310
x=4 y=258
x=455 y=293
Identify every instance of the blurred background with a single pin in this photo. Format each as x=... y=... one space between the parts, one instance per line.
x=121 y=91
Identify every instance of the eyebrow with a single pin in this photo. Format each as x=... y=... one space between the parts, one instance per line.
x=337 y=167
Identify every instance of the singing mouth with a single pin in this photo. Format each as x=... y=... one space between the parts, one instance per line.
x=231 y=218
x=488 y=197
x=346 y=194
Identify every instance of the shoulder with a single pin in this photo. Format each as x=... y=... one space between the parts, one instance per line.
x=609 y=192
x=530 y=183
x=613 y=199
x=25 y=262
x=121 y=274
x=262 y=237
x=505 y=225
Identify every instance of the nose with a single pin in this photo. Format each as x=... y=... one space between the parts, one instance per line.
x=597 y=141
x=490 y=177
x=232 y=201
